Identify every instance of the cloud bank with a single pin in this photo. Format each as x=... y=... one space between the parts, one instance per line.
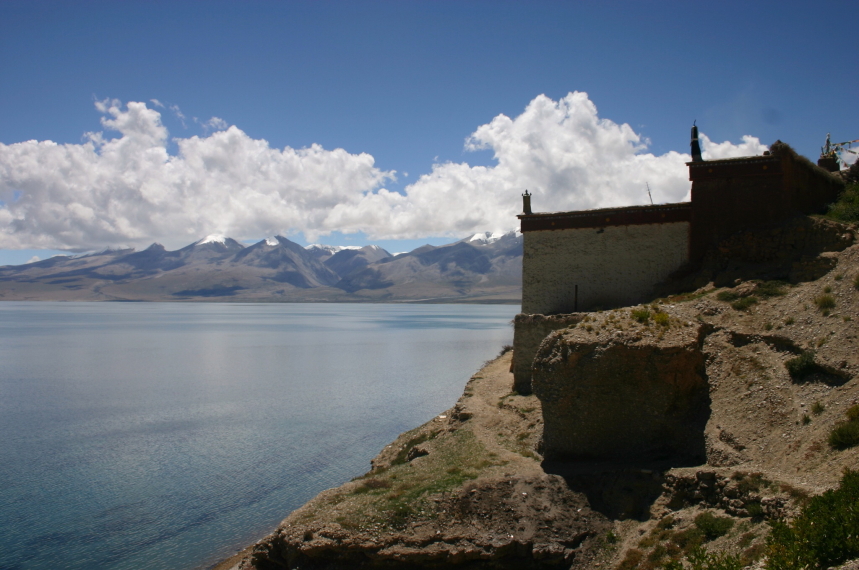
x=128 y=190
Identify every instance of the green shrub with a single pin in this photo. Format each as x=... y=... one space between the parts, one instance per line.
x=689 y=538
x=744 y=303
x=826 y=532
x=846 y=209
x=632 y=559
x=771 y=289
x=749 y=482
x=825 y=302
x=715 y=561
x=827 y=289
x=789 y=321
x=805 y=419
x=802 y=365
x=700 y=559
x=754 y=509
x=727 y=296
x=844 y=435
x=746 y=539
x=712 y=526
x=817 y=408
x=641 y=315
x=661 y=319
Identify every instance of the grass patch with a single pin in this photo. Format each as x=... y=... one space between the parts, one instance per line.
x=789 y=321
x=765 y=289
x=750 y=482
x=744 y=303
x=661 y=319
x=372 y=484
x=401 y=493
x=746 y=539
x=700 y=559
x=641 y=315
x=825 y=302
x=727 y=296
x=403 y=456
x=769 y=289
x=817 y=408
x=825 y=534
x=856 y=282
x=632 y=559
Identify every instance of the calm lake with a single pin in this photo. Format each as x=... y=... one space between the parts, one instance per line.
x=165 y=436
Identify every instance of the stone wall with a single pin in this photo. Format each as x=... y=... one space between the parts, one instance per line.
x=528 y=332
x=583 y=269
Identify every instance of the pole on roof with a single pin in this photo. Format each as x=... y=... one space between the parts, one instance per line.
x=649 y=195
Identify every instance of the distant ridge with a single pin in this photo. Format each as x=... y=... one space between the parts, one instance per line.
x=485 y=267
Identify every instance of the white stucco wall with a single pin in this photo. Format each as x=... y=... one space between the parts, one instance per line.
x=615 y=265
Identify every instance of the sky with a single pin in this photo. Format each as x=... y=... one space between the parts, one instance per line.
x=396 y=123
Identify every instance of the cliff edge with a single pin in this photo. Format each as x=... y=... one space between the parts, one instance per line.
x=722 y=401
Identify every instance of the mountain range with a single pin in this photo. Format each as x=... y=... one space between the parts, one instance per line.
x=485 y=267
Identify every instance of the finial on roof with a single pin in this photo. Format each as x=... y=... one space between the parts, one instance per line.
x=526 y=202
x=696 y=147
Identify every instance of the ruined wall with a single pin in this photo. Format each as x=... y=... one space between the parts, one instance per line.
x=528 y=332
x=625 y=395
x=612 y=266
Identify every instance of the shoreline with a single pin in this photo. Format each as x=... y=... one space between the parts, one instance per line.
x=470 y=487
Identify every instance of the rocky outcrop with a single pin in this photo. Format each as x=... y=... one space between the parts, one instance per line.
x=528 y=333
x=490 y=524
x=624 y=391
x=465 y=490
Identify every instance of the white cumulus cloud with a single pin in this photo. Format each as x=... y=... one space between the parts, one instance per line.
x=561 y=151
x=128 y=190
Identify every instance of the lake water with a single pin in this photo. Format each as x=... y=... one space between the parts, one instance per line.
x=165 y=436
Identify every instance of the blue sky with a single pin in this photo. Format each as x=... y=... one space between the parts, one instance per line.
x=418 y=87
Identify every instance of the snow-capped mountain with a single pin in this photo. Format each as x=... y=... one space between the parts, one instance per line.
x=491 y=237
x=486 y=265
x=349 y=260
